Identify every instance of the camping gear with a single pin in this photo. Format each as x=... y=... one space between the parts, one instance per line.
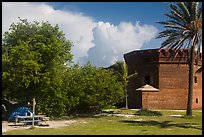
x=3 y=111
x=7 y=107
x=21 y=111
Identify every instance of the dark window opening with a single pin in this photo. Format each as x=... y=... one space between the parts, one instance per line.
x=147 y=79
x=163 y=52
x=196 y=100
x=147 y=60
x=195 y=79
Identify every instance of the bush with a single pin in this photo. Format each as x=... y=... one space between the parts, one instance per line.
x=145 y=112
x=86 y=86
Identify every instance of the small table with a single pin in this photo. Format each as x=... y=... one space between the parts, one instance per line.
x=28 y=118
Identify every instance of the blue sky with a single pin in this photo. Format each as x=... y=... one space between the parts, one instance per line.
x=115 y=12
x=102 y=32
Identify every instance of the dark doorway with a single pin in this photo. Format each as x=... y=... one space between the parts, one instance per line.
x=138 y=100
x=147 y=79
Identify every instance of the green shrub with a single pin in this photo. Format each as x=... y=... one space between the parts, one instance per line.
x=91 y=86
x=32 y=127
x=145 y=112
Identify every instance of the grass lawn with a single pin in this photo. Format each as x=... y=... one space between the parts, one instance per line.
x=136 y=125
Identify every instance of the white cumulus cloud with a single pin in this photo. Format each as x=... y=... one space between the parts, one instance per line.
x=111 y=42
x=101 y=43
x=76 y=26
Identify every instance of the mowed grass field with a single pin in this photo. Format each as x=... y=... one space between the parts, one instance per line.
x=119 y=125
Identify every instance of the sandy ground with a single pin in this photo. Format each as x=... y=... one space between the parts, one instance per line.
x=52 y=124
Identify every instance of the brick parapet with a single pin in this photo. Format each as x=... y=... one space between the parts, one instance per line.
x=159 y=56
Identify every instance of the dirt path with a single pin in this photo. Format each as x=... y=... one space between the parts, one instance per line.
x=52 y=124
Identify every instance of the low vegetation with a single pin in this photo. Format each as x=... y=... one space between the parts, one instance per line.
x=145 y=112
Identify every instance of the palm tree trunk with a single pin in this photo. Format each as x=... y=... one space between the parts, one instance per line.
x=126 y=100
x=126 y=93
x=190 y=86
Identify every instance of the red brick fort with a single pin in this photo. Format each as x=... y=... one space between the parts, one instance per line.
x=170 y=77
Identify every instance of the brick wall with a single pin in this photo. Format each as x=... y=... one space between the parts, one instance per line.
x=168 y=76
x=173 y=86
x=197 y=90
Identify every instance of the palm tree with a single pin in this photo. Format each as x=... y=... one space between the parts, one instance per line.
x=184 y=31
x=122 y=70
x=199 y=70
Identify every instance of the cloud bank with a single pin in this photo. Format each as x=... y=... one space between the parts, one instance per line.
x=111 y=42
x=77 y=28
x=101 y=43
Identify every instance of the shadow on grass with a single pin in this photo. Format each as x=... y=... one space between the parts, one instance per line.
x=87 y=115
x=78 y=116
x=164 y=124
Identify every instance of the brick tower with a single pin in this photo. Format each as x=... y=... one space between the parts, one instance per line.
x=169 y=76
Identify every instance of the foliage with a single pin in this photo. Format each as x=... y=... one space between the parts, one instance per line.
x=146 y=112
x=88 y=85
x=121 y=69
x=184 y=30
x=33 y=64
x=120 y=111
x=199 y=70
x=32 y=127
x=33 y=58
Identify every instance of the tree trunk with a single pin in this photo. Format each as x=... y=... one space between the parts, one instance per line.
x=33 y=119
x=126 y=93
x=190 y=86
x=126 y=100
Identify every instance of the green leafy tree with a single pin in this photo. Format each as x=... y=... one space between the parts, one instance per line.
x=72 y=87
x=122 y=70
x=88 y=85
x=184 y=30
x=33 y=58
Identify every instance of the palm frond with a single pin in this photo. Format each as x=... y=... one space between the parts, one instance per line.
x=182 y=29
x=185 y=11
x=198 y=55
x=176 y=22
x=200 y=14
x=178 y=15
x=171 y=39
x=171 y=22
x=193 y=6
x=168 y=32
x=177 y=46
x=175 y=27
x=199 y=70
x=175 y=18
x=132 y=75
x=175 y=8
